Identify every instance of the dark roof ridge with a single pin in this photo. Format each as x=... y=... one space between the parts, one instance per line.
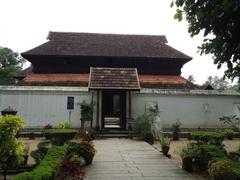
x=107 y=45
x=52 y=33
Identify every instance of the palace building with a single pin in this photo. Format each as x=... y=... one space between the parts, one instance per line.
x=122 y=74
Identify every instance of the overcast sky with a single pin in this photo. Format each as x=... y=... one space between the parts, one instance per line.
x=25 y=24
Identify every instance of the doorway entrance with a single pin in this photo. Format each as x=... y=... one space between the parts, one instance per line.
x=114 y=109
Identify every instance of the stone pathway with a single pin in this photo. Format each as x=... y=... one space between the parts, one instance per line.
x=125 y=159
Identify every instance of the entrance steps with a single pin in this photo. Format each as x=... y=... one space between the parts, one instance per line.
x=115 y=133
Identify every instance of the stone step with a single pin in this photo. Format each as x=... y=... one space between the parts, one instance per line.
x=115 y=135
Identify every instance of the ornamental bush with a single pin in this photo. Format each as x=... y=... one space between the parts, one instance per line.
x=60 y=136
x=64 y=125
x=204 y=137
x=209 y=152
x=11 y=149
x=83 y=135
x=71 y=169
x=81 y=148
x=41 y=151
x=48 y=167
x=201 y=154
x=224 y=169
x=143 y=124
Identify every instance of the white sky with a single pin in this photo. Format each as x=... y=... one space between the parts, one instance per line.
x=25 y=24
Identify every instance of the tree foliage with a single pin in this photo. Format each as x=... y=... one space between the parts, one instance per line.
x=11 y=149
x=220 y=22
x=217 y=82
x=191 y=78
x=10 y=63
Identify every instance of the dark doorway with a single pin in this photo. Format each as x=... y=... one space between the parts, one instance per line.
x=114 y=109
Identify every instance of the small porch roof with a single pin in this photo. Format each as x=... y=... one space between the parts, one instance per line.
x=113 y=78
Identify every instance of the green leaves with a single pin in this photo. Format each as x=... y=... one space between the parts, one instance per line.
x=220 y=22
x=11 y=149
x=178 y=15
x=10 y=63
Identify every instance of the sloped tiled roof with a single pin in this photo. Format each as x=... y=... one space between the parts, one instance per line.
x=165 y=81
x=56 y=79
x=109 y=45
x=146 y=81
x=113 y=78
x=24 y=72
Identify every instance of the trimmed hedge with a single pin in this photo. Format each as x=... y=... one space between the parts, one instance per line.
x=42 y=150
x=199 y=155
x=215 y=138
x=60 y=136
x=48 y=167
x=209 y=152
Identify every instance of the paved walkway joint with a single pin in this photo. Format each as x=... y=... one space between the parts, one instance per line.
x=125 y=159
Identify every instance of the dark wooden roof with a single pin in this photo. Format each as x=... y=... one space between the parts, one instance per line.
x=106 y=45
x=114 y=78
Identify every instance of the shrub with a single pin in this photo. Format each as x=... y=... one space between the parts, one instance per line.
x=11 y=149
x=235 y=166
x=200 y=154
x=220 y=170
x=149 y=138
x=37 y=155
x=42 y=150
x=92 y=132
x=143 y=124
x=86 y=109
x=203 y=137
x=71 y=169
x=192 y=151
x=48 y=126
x=190 y=154
x=48 y=168
x=81 y=148
x=165 y=141
x=44 y=146
x=64 y=125
x=165 y=145
x=176 y=129
x=229 y=133
x=231 y=120
x=60 y=136
x=224 y=169
x=84 y=135
x=209 y=152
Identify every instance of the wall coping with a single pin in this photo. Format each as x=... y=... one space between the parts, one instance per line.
x=189 y=92
x=44 y=88
x=142 y=91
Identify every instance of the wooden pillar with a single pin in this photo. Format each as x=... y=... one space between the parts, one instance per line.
x=129 y=105
x=97 y=114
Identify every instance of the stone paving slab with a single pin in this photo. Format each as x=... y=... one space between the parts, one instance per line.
x=126 y=159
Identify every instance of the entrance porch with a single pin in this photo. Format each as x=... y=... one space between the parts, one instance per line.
x=113 y=102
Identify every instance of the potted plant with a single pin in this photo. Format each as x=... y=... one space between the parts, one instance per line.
x=229 y=134
x=86 y=110
x=176 y=130
x=149 y=138
x=82 y=148
x=165 y=145
x=189 y=154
